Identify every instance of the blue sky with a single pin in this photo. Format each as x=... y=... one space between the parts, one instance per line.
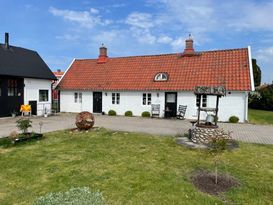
x=61 y=30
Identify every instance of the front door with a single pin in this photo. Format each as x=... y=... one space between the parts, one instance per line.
x=97 y=102
x=170 y=104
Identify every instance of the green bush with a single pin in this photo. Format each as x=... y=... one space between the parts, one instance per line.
x=146 y=114
x=112 y=113
x=128 y=113
x=81 y=195
x=24 y=124
x=234 y=119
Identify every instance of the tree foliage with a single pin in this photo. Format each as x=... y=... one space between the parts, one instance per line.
x=264 y=99
x=257 y=73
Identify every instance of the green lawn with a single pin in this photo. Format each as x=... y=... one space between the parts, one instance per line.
x=129 y=168
x=260 y=116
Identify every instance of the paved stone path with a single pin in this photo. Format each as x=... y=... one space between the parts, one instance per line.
x=262 y=134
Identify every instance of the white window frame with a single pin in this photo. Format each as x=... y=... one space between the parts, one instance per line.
x=47 y=95
x=161 y=77
x=146 y=98
x=77 y=97
x=203 y=100
x=115 y=98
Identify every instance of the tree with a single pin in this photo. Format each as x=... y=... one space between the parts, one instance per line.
x=257 y=73
x=217 y=146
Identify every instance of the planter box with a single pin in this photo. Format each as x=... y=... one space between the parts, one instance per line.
x=28 y=136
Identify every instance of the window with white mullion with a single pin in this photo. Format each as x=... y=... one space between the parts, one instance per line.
x=146 y=99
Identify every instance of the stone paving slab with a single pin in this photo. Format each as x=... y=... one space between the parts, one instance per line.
x=262 y=134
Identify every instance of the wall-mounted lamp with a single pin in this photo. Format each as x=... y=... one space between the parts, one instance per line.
x=105 y=94
x=157 y=94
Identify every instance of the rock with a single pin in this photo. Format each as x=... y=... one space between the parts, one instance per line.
x=85 y=121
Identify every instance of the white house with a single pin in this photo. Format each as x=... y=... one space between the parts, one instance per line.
x=24 y=79
x=135 y=82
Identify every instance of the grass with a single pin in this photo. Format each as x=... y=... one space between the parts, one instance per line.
x=129 y=168
x=260 y=116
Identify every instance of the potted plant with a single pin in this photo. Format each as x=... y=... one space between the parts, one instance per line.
x=13 y=114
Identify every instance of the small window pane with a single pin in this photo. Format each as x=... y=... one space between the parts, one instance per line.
x=113 y=98
x=43 y=95
x=198 y=100
x=118 y=97
x=204 y=101
x=170 y=98
x=80 y=97
x=144 y=99
x=75 y=97
x=149 y=98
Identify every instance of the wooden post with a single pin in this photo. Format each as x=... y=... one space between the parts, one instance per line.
x=216 y=114
x=198 y=119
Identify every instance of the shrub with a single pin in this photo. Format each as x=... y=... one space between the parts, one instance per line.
x=234 y=119
x=24 y=124
x=80 y=195
x=112 y=113
x=146 y=114
x=129 y=113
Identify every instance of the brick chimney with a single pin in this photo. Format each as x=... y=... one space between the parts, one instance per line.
x=7 y=40
x=103 y=55
x=189 y=50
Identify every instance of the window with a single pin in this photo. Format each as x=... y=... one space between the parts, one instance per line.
x=12 y=87
x=146 y=99
x=201 y=99
x=43 y=95
x=75 y=97
x=161 y=77
x=115 y=98
x=78 y=97
x=204 y=101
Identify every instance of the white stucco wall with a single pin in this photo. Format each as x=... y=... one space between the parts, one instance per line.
x=31 y=93
x=68 y=104
x=233 y=104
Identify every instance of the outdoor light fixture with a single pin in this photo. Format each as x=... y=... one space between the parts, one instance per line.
x=157 y=94
x=105 y=94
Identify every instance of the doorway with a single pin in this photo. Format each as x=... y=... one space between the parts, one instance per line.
x=97 y=102
x=170 y=104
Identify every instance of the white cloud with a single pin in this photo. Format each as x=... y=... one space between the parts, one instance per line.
x=265 y=54
x=164 y=39
x=94 y=11
x=140 y=20
x=87 y=19
x=68 y=37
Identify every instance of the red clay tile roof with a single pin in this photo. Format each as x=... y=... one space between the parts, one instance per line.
x=210 y=68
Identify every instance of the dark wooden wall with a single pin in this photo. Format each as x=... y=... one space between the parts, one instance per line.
x=8 y=104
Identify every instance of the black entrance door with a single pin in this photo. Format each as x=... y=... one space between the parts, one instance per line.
x=170 y=104
x=97 y=102
x=33 y=105
x=11 y=95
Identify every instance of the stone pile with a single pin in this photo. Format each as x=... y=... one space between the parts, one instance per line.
x=85 y=120
x=203 y=135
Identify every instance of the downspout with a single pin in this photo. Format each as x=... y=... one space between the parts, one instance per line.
x=251 y=81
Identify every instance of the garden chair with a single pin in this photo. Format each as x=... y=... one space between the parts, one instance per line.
x=181 y=112
x=25 y=109
x=155 y=110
